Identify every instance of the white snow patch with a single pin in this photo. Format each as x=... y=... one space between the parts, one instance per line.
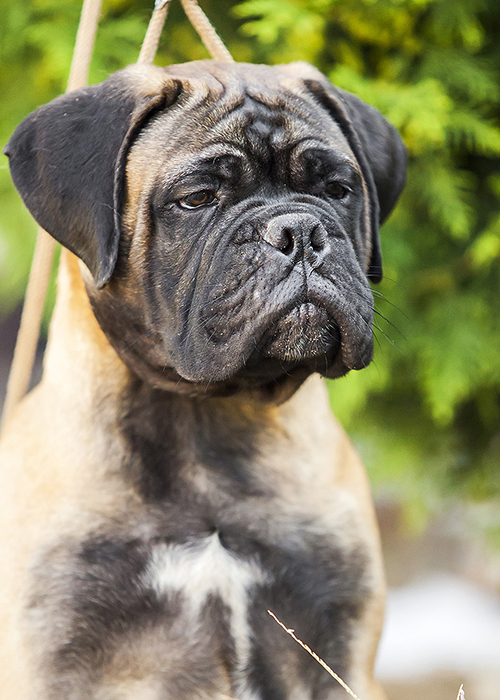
x=439 y=624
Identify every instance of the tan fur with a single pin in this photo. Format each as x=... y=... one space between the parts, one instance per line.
x=59 y=474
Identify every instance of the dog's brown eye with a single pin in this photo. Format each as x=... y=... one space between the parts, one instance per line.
x=337 y=190
x=198 y=199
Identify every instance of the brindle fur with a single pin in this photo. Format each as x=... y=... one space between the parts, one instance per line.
x=164 y=486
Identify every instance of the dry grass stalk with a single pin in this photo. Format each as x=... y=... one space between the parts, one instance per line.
x=291 y=632
x=460 y=696
x=317 y=658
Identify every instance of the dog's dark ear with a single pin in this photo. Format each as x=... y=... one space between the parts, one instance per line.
x=67 y=160
x=376 y=144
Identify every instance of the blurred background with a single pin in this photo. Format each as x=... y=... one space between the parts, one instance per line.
x=426 y=414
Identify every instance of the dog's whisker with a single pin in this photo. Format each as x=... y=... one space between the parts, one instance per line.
x=376 y=311
x=388 y=338
x=376 y=338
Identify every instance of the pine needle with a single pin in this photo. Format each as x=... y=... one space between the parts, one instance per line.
x=320 y=661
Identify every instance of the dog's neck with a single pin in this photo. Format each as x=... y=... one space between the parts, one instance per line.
x=81 y=365
x=79 y=359
x=77 y=340
x=86 y=382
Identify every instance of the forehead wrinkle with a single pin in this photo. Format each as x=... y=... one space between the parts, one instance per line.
x=343 y=157
x=221 y=105
x=226 y=114
x=221 y=120
x=245 y=125
x=183 y=166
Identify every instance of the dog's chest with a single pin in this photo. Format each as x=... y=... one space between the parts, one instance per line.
x=171 y=596
x=213 y=587
x=128 y=608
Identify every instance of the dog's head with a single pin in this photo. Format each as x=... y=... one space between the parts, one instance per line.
x=228 y=215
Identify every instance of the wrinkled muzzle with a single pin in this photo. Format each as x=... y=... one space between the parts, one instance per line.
x=277 y=294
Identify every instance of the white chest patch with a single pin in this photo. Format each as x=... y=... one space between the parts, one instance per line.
x=204 y=568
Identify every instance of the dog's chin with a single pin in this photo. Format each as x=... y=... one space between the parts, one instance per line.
x=304 y=333
x=303 y=341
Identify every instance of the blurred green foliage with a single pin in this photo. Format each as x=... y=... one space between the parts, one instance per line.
x=426 y=413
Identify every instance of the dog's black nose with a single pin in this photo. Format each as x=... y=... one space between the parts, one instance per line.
x=291 y=232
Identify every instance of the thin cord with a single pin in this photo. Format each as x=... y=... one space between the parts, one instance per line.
x=207 y=33
x=153 y=32
x=36 y=292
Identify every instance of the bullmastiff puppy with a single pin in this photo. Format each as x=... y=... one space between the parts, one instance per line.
x=177 y=472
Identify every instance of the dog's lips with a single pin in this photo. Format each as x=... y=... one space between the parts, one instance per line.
x=319 y=328
x=305 y=332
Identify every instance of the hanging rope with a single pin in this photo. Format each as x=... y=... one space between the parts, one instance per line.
x=36 y=291
x=207 y=33
x=200 y=22
x=153 y=32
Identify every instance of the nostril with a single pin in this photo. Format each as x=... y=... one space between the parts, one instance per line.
x=318 y=238
x=280 y=237
x=287 y=242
